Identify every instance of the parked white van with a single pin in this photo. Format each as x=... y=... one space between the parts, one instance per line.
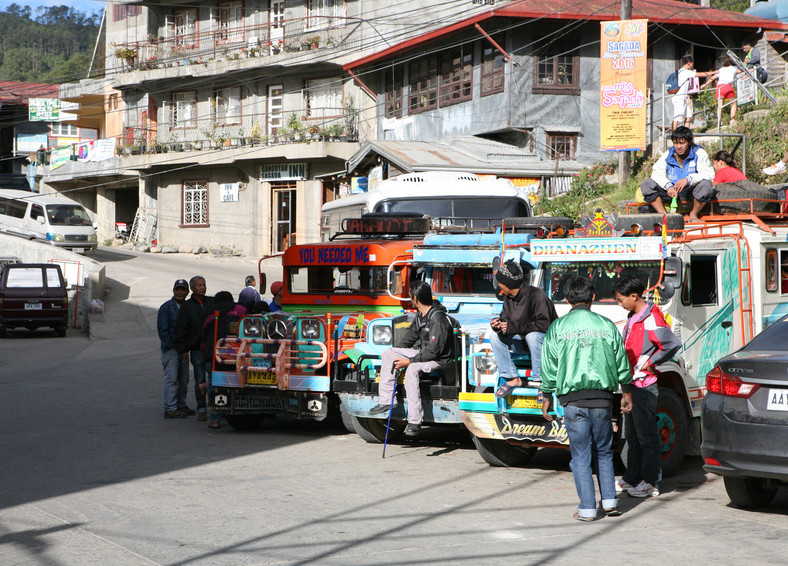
x=52 y=219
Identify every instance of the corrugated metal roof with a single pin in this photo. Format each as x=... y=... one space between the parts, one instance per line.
x=663 y=12
x=13 y=92
x=462 y=153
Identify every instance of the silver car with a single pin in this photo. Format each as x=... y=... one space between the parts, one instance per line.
x=745 y=418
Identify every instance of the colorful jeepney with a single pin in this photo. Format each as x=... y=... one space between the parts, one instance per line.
x=718 y=282
x=282 y=362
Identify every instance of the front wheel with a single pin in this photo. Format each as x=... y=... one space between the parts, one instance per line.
x=750 y=493
x=244 y=422
x=673 y=425
x=374 y=430
x=501 y=454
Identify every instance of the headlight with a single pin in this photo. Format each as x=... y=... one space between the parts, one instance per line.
x=485 y=364
x=92 y=238
x=253 y=328
x=55 y=237
x=381 y=335
x=310 y=329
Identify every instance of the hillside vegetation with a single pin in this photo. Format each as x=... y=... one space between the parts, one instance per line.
x=50 y=45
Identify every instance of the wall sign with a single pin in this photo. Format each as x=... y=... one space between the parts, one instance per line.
x=229 y=192
x=283 y=172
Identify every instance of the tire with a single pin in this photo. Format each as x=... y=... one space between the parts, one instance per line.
x=647 y=221
x=61 y=331
x=744 y=189
x=347 y=419
x=244 y=422
x=374 y=430
x=673 y=430
x=750 y=493
x=501 y=454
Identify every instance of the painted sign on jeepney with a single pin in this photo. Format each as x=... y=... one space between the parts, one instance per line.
x=335 y=255
x=597 y=249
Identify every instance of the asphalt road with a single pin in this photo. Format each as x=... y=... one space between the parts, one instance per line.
x=91 y=474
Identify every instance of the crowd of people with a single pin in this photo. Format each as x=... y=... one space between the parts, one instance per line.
x=187 y=334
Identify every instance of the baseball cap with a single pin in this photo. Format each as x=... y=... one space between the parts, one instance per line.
x=180 y=283
x=276 y=286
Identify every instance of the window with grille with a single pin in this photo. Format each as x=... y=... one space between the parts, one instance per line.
x=123 y=11
x=557 y=70
x=423 y=84
x=195 y=203
x=184 y=109
x=324 y=98
x=324 y=13
x=493 y=69
x=229 y=22
x=456 y=76
x=561 y=145
x=182 y=27
x=228 y=106
x=393 y=88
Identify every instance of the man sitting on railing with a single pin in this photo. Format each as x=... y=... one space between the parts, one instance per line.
x=682 y=172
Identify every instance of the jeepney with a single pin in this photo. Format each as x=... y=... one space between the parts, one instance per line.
x=282 y=362
x=718 y=282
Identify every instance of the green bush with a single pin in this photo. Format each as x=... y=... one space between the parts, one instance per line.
x=588 y=185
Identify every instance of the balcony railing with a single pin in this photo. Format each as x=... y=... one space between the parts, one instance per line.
x=230 y=43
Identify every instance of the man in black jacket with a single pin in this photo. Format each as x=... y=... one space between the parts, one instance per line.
x=431 y=330
x=526 y=315
x=188 y=336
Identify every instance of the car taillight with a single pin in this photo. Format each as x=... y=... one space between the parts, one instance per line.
x=728 y=385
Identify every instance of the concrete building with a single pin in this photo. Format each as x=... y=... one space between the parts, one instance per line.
x=234 y=121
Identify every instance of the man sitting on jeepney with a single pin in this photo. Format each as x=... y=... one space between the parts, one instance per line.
x=527 y=313
x=682 y=172
x=431 y=331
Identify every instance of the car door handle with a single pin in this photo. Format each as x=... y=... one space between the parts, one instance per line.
x=726 y=324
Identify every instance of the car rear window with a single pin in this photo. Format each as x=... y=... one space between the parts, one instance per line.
x=53 y=280
x=773 y=338
x=25 y=277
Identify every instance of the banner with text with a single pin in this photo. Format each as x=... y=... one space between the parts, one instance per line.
x=622 y=83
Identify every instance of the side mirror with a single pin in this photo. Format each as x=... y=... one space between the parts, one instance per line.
x=672 y=272
x=496 y=264
x=667 y=290
x=40 y=220
x=262 y=285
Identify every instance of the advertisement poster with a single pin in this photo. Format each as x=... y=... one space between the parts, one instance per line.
x=622 y=84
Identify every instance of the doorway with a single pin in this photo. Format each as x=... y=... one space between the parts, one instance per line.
x=284 y=215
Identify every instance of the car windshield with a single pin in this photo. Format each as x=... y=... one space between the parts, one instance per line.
x=67 y=215
x=462 y=280
x=772 y=338
x=604 y=275
x=327 y=279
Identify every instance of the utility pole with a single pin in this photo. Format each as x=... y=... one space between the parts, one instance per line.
x=624 y=158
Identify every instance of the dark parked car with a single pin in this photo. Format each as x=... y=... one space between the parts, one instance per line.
x=745 y=418
x=33 y=295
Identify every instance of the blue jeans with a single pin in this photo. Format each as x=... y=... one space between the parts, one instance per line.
x=198 y=365
x=644 y=445
x=590 y=439
x=502 y=344
x=176 y=379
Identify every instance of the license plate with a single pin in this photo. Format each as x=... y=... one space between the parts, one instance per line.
x=778 y=400
x=33 y=306
x=525 y=403
x=261 y=378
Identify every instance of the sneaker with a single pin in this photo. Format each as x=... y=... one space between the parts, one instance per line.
x=643 y=490
x=189 y=412
x=202 y=417
x=412 y=430
x=378 y=409
x=621 y=486
x=176 y=414
x=775 y=169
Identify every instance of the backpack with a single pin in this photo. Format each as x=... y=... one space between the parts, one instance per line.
x=672 y=84
x=761 y=75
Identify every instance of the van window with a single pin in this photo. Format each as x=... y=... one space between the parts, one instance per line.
x=22 y=277
x=700 y=278
x=36 y=211
x=604 y=274
x=3 y=205
x=326 y=279
x=53 y=280
x=67 y=215
x=457 y=207
x=16 y=208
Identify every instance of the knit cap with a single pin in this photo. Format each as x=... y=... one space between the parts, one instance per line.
x=510 y=274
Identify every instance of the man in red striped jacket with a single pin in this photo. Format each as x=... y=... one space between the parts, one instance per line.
x=649 y=342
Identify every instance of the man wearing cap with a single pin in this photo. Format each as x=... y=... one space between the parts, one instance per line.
x=188 y=336
x=176 y=370
x=276 y=291
x=526 y=315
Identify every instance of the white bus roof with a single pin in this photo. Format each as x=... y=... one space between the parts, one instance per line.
x=430 y=184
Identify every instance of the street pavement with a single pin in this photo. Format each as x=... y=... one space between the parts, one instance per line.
x=91 y=474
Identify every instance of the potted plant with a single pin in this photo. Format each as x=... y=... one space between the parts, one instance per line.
x=126 y=54
x=334 y=131
x=314 y=41
x=294 y=127
x=256 y=132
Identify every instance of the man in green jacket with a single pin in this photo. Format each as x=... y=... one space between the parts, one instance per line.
x=584 y=362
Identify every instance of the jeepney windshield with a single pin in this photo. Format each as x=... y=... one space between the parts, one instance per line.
x=462 y=280
x=327 y=279
x=604 y=274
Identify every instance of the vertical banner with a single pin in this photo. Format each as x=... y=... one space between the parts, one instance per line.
x=622 y=83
